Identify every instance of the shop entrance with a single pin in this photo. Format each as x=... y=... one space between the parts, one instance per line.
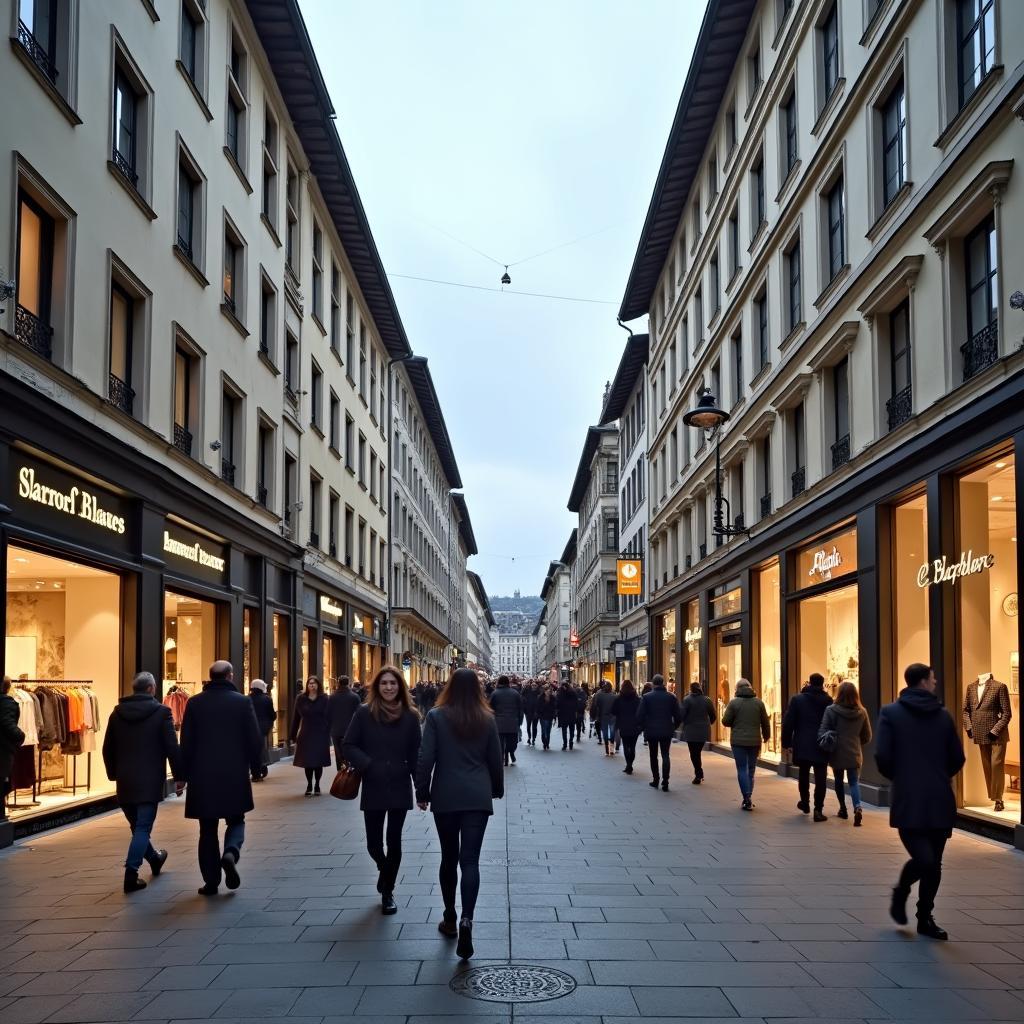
x=829 y=638
x=727 y=664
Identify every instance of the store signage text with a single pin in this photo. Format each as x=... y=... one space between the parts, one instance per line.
x=192 y=553
x=944 y=571
x=330 y=607
x=693 y=636
x=76 y=501
x=825 y=563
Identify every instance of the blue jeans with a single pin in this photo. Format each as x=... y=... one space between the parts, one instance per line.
x=746 y=763
x=608 y=730
x=545 y=731
x=141 y=818
x=209 y=845
x=854 y=778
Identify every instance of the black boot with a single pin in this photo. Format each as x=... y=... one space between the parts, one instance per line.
x=229 y=865
x=449 y=925
x=926 y=926
x=898 y=905
x=132 y=882
x=156 y=863
x=464 y=947
x=388 y=905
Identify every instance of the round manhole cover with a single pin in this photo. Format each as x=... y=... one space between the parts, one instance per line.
x=513 y=984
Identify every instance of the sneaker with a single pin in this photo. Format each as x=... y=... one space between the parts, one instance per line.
x=309 y=791
x=898 y=905
x=664 y=786
x=449 y=926
x=229 y=865
x=747 y=805
x=388 y=905
x=653 y=784
x=464 y=949
x=803 y=805
x=156 y=863
x=820 y=815
x=132 y=882
x=858 y=817
x=926 y=926
x=843 y=813
x=696 y=780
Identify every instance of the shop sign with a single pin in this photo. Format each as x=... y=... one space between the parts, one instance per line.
x=693 y=636
x=329 y=607
x=629 y=572
x=365 y=625
x=201 y=556
x=619 y=650
x=944 y=571
x=820 y=563
x=825 y=563
x=574 y=638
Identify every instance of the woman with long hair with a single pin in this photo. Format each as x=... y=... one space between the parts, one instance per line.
x=547 y=709
x=568 y=710
x=458 y=777
x=311 y=734
x=624 y=710
x=383 y=743
x=847 y=720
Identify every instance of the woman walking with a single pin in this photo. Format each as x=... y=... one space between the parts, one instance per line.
x=383 y=745
x=547 y=709
x=568 y=708
x=263 y=705
x=531 y=700
x=311 y=734
x=698 y=717
x=458 y=777
x=624 y=710
x=845 y=729
x=747 y=717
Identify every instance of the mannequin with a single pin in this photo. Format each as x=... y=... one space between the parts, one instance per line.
x=986 y=715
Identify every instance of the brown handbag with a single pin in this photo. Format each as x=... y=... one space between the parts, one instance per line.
x=346 y=783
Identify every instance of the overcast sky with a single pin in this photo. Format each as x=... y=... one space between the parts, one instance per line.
x=514 y=127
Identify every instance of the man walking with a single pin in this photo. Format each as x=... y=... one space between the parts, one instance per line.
x=918 y=749
x=220 y=745
x=659 y=716
x=508 y=714
x=137 y=747
x=266 y=716
x=800 y=735
x=341 y=706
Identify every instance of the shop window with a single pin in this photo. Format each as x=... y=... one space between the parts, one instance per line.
x=666 y=631
x=911 y=631
x=64 y=621
x=269 y=201
x=987 y=635
x=191 y=641
x=769 y=647
x=726 y=652
x=981 y=279
x=280 y=653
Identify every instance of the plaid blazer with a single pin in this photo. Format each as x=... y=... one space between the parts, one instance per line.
x=989 y=715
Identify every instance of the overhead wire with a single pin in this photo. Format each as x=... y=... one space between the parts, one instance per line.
x=503 y=291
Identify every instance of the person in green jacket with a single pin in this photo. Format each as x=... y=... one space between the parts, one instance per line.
x=747 y=717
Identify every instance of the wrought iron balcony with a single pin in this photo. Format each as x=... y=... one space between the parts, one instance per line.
x=227 y=471
x=702 y=551
x=799 y=479
x=841 y=452
x=120 y=394
x=264 y=347
x=982 y=350
x=261 y=494
x=33 y=333
x=766 y=505
x=125 y=168
x=182 y=439
x=900 y=407
x=291 y=395
x=39 y=53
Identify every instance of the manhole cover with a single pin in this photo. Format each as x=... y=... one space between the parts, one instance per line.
x=513 y=984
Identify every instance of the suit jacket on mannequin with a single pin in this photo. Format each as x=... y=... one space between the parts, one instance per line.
x=991 y=715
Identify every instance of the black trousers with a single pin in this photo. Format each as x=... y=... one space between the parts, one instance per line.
x=509 y=742
x=567 y=734
x=925 y=847
x=209 y=844
x=696 y=750
x=389 y=860
x=461 y=834
x=628 y=749
x=580 y=722
x=665 y=746
x=531 y=728
x=820 y=783
x=313 y=775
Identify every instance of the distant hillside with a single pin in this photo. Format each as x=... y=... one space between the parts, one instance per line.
x=516 y=614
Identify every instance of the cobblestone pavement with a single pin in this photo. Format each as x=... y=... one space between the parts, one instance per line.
x=661 y=906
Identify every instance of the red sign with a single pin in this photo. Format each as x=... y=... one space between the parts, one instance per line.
x=574 y=638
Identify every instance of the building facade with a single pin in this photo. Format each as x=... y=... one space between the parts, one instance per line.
x=858 y=330
x=479 y=620
x=555 y=652
x=517 y=654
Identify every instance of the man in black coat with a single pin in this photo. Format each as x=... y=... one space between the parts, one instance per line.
x=508 y=714
x=266 y=716
x=800 y=734
x=220 y=745
x=341 y=706
x=917 y=747
x=11 y=737
x=658 y=716
x=137 y=747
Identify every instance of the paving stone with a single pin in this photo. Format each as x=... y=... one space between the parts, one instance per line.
x=33 y=1009
x=105 y=1008
x=681 y=1002
x=244 y=976
x=257 y=1003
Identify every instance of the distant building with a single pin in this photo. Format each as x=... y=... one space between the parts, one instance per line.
x=479 y=622
x=517 y=654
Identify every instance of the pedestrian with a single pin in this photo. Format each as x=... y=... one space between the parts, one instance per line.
x=845 y=729
x=266 y=716
x=747 y=717
x=11 y=736
x=220 y=744
x=602 y=704
x=458 y=777
x=624 y=710
x=568 y=711
x=341 y=706
x=698 y=717
x=582 y=703
x=917 y=747
x=800 y=735
x=531 y=702
x=311 y=734
x=659 y=717
x=383 y=743
x=547 y=709
x=507 y=705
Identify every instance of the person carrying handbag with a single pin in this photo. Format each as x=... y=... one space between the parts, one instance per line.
x=845 y=731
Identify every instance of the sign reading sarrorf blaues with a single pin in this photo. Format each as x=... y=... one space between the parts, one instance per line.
x=941 y=570
x=193 y=553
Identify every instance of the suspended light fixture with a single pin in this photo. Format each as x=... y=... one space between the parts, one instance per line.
x=505 y=279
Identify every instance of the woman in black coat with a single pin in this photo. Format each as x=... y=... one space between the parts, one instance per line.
x=383 y=744
x=624 y=712
x=698 y=716
x=547 y=709
x=567 y=706
x=311 y=734
x=266 y=716
x=531 y=699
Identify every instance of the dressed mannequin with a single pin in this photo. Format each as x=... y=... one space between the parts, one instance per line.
x=986 y=715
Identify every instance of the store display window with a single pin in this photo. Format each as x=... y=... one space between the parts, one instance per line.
x=727 y=600
x=989 y=686
x=769 y=683
x=692 y=637
x=911 y=631
x=63 y=650
x=640 y=667
x=726 y=651
x=191 y=641
x=665 y=630
x=281 y=662
x=332 y=663
x=829 y=638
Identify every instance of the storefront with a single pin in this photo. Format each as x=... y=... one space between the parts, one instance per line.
x=725 y=648
x=323 y=638
x=665 y=637
x=366 y=651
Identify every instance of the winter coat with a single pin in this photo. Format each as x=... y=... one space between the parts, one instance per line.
x=531 y=699
x=853 y=733
x=582 y=699
x=508 y=709
x=747 y=717
x=311 y=732
x=801 y=724
x=624 y=711
x=220 y=746
x=266 y=715
x=137 y=746
x=456 y=774
x=601 y=705
x=916 y=746
x=567 y=704
x=385 y=755
x=659 y=714
x=698 y=714
x=547 y=709
x=341 y=706
x=11 y=737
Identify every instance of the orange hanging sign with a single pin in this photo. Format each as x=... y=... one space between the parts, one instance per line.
x=630 y=576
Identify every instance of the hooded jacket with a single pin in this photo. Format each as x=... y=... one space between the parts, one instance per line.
x=138 y=744
x=918 y=749
x=853 y=733
x=602 y=704
x=698 y=716
x=659 y=714
x=801 y=724
x=747 y=716
x=508 y=709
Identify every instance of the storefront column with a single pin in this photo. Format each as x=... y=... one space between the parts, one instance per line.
x=149 y=601
x=942 y=600
x=874 y=786
x=1018 y=442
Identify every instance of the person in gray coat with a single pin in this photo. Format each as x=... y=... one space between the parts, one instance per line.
x=507 y=705
x=845 y=732
x=698 y=717
x=601 y=709
x=458 y=775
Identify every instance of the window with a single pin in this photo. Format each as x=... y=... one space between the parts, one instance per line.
x=350 y=427
x=192 y=43
x=122 y=325
x=730 y=130
x=334 y=425
x=894 y=143
x=373 y=379
x=335 y=309
x=753 y=72
x=291 y=368
x=757 y=205
x=698 y=319
x=291 y=231
x=841 y=412
x=230 y=405
x=235 y=121
x=761 y=329
x=789 y=133
x=829 y=48
x=362 y=547
x=716 y=381
x=126 y=104
x=269 y=207
x=611 y=534
x=734 y=243
x=836 y=230
x=766 y=476
x=318 y=272
x=37 y=33
x=799 y=451
x=712 y=179
x=189 y=242
x=315 y=488
x=234 y=263
x=316 y=396
x=373 y=475
x=264 y=463
x=350 y=334
x=899 y=408
x=794 y=294
x=333 y=510
x=361 y=468
x=35 y=276
x=268 y=317
x=737 y=367
x=184 y=398
x=714 y=285
x=981 y=274
x=289 y=492
x=695 y=218
x=350 y=518
x=362 y=361
x=975 y=42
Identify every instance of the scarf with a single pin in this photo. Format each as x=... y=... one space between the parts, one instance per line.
x=390 y=711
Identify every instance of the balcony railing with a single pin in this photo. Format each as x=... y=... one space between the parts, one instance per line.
x=799 y=479
x=125 y=168
x=227 y=471
x=981 y=351
x=841 y=452
x=182 y=439
x=900 y=407
x=291 y=394
x=33 y=333
x=766 y=505
x=261 y=494
x=35 y=49
x=120 y=394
